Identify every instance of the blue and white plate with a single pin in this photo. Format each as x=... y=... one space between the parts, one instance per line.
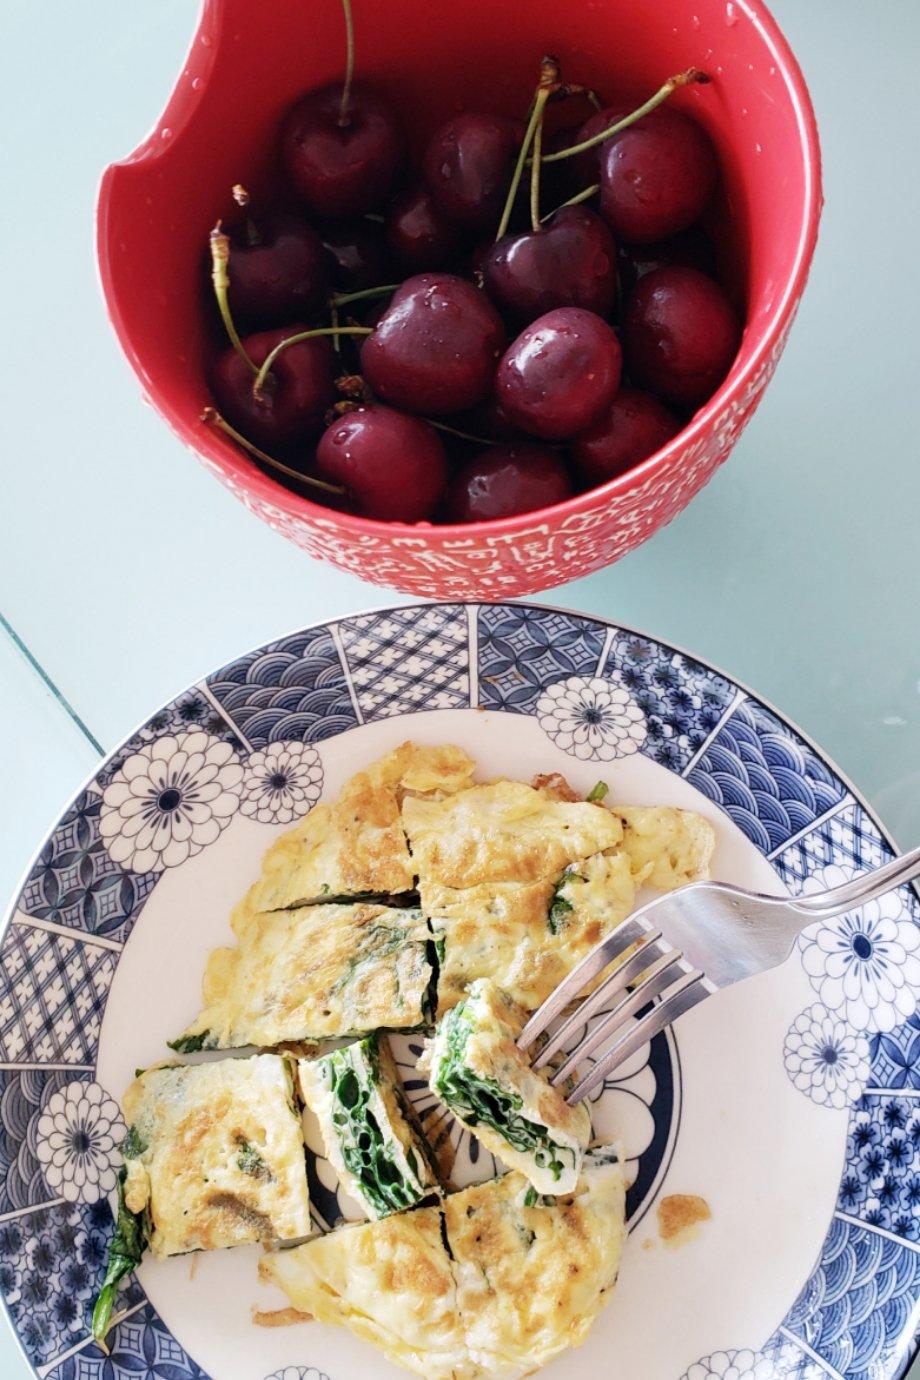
x=790 y=1103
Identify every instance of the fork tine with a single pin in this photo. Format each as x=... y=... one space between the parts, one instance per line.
x=624 y=973
x=657 y=977
x=684 y=995
x=622 y=937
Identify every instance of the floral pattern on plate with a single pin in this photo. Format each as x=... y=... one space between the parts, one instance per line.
x=78 y=1135
x=865 y=964
x=592 y=718
x=169 y=800
x=281 y=783
x=825 y=1058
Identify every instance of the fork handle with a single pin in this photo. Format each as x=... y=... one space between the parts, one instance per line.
x=866 y=888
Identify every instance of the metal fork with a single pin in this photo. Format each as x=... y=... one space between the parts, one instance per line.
x=717 y=935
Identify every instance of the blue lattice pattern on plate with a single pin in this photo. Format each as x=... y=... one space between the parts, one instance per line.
x=881 y=1178
x=771 y=783
x=293 y=689
x=75 y=883
x=51 y=1264
x=52 y=995
x=522 y=650
x=140 y=1345
x=848 y=839
x=405 y=660
x=859 y=1305
x=682 y=700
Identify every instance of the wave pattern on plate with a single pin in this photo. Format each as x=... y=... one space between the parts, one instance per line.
x=859 y=1305
x=768 y=781
x=292 y=689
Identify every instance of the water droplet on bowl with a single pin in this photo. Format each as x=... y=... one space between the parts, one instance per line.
x=165 y=133
x=695 y=21
x=205 y=41
x=758 y=147
x=744 y=110
x=197 y=83
x=731 y=15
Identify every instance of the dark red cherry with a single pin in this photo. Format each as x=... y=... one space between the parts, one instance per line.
x=435 y=350
x=392 y=466
x=571 y=262
x=298 y=391
x=656 y=176
x=586 y=166
x=633 y=427
x=560 y=374
x=419 y=236
x=468 y=165
x=691 y=249
x=488 y=421
x=506 y=480
x=341 y=169
x=680 y=334
x=278 y=271
x=358 y=255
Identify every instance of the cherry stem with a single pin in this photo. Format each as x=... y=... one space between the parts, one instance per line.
x=549 y=82
x=263 y=373
x=213 y=418
x=349 y=63
x=535 y=166
x=687 y=78
x=242 y=199
x=220 y=257
x=334 y=320
x=340 y=299
x=464 y=435
x=575 y=200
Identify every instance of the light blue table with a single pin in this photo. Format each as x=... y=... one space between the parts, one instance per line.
x=126 y=572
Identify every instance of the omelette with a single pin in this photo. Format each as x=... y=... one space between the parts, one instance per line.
x=319 y=972
x=366 y=1125
x=493 y=1284
x=355 y=847
x=214 y=1157
x=478 y=1072
x=416 y=900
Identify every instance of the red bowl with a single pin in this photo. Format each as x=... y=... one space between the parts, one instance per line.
x=249 y=61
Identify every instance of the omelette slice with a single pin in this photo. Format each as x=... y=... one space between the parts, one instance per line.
x=357 y=1098
x=503 y=832
x=214 y=1157
x=666 y=847
x=391 y=1282
x=317 y=973
x=526 y=938
x=478 y=1072
x=495 y=1286
x=533 y=1273
x=355 y=847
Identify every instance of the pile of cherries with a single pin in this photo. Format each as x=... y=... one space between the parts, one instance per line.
x=524 y=358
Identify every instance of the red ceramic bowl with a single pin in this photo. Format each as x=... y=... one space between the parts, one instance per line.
x=249 y=61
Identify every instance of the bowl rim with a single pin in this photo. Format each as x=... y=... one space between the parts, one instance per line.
x=245 y=478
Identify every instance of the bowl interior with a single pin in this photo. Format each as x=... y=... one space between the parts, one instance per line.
x=249 y=62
